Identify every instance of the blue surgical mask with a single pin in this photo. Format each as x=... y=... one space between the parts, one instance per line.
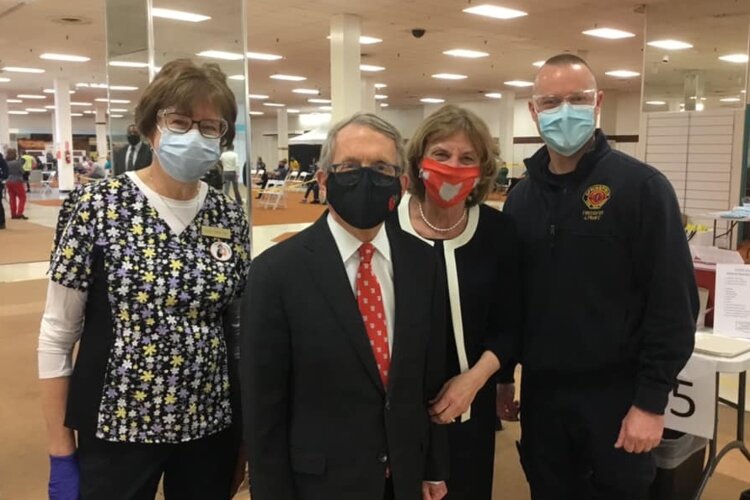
x=187 y=157
x=567 y=128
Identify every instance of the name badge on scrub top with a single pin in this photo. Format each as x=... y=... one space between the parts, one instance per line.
x=216 y=232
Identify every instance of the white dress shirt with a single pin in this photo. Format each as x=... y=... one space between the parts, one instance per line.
x=132 y=151
x=382 y=266
x=229 y=160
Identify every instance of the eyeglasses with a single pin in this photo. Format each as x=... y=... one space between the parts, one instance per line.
x=348 y=173
x=181 y=124
x=552 y=101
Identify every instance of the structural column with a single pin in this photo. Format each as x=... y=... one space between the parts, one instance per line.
x=4 y=122
x=346 y=81
x=369 y=103
x=282 y=127
x=101 y=135
x=63 y=140
x=506 y=126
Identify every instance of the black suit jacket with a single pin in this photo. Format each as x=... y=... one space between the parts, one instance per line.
x=143 y=159
x=318 y=423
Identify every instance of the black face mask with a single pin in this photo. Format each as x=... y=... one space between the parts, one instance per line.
x=363 y=199
x=134 y=139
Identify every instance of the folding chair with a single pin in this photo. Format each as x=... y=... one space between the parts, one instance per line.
x=47 y=183
x=274 y=195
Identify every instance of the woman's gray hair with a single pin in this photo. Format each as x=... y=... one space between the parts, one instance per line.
x=368 y=120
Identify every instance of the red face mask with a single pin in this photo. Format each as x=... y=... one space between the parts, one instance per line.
x=446 y=185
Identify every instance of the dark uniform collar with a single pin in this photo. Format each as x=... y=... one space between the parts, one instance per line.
x=538 y=164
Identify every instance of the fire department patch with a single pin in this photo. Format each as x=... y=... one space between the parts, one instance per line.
x=596 y=196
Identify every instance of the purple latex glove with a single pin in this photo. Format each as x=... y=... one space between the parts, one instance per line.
x=63 y=478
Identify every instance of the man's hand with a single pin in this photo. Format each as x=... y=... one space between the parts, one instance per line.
x=434 y=491
x=455 y=398
x=506 y=405
x=239 y=471
x=641 y=431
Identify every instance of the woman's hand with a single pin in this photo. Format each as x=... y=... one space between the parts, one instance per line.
x=455 y=397
x=64 y=478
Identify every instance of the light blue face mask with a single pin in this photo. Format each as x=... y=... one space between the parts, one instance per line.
x=567 y=128
x=187 y=157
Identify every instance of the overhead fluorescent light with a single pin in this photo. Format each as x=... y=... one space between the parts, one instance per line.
x=237 y=77
x=118 y=110
x=449 y=76
x=17 y=69
x=257 y=96
x=670 y=44
x=431 y=100
x=380 y=97
x=122 y=87
x=495 y=12
x=89 y=112
x=519 y=83
x=700 y=106
x=743 y=91
x=64 y=57
x=369 y=40
x=52 y=91
x=288 y=78
x=4 y=80
x=256 y=113
x=274 y=104
x=380 y=85
x=538 y=64
x=31 y=96
x=730 y=99
x=128 y=64
x=384 y=104
x=113 y=101
x=220 y=54
x=36 y=110
x=13 y=101
x=735 y=58
x=319 y=101
x=18 y=112
x=609 y=33
x=49 y=107
x=292 y=111
x=494 y=95
x=92 y=85
x=178 y=15
x=656 y=103
x=80 y=104
x=622 y=73
x=470 y=54
x=116 y=116
x=325 y=108
x=370 y=68
x=76 y=114
x=306 y=91
x=260 y=56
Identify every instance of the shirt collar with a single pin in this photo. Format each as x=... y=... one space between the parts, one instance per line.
x=348 y=245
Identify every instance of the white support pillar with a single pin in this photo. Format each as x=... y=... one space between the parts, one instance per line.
x=369 y=103
x=282 y=127
x=4 y=123
x=506 y=129
x=346 y=86
x=101 y=134
x=63 y=139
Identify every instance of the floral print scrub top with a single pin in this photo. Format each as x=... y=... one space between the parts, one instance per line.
x=166 y=375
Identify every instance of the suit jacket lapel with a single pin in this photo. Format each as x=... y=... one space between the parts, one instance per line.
x=331 y=280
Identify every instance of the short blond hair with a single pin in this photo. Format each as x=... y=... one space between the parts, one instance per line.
x=444 y=123
x=181 y=84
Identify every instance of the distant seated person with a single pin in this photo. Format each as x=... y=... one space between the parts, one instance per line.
x=95 y=171
x=282 y=170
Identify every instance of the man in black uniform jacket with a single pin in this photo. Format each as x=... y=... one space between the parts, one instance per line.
x=610 y=300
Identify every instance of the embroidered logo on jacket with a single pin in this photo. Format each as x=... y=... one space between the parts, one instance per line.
x=595 y=198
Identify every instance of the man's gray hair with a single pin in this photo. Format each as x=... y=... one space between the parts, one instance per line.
x=368 y=120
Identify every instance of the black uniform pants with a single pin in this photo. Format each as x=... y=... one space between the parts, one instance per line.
x=569 y=429
x=195 y=470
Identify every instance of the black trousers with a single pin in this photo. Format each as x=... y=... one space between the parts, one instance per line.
x=388 y=493
x=313 y=186
x=195 y=470
x=569 y=428
x=2 y=208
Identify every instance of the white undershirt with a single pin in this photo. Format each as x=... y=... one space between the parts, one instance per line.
x=62 y=321
x=382 y=266
x=229 y=160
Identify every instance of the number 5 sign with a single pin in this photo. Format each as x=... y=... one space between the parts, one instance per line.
x=691 y=407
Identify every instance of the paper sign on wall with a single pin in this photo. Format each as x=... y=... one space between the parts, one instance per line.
x=691 y=406
x=732 y=303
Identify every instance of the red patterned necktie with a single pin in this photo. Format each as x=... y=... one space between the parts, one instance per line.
x=370 y=301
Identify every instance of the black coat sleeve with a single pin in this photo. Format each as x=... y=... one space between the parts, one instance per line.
x=437 y=464
x=664 y=267
x=512 y=282
x=265 y=376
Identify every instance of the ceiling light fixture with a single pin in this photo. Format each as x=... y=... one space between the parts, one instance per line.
x=76 y=114
x=123 y=87
x=116 y=116
x=17 y=69
x=260 y=56
x=52 y=91
x=292 y=111
x=495 y=11
x=118 y=110
x=36 y=110
x=431 y=100
x=319 y=101
x=307 y=91
x=49 y=107
x=519 y=83
x=274 y=104
x=730 y=99
x=113 y=101
x=470 y=54
x=622 y=73
x=4 y=80
x=288 y=78
x=325 y=108
x=380 y=97
x=237 y=77
x=494 y=95
x=18 y=112
x=538 y=64
x=31 y=96
x=656 y=103
x=449 y=76
x=80 y=104
x=365 y=40
x=735 y=58
x=128 y=64
x=64 y=57
x=13 y=101
x=670 y=44
x=259 y=97
x=380 y=85
x=384 y=104
x=256 y=113
x=609 y=33
x=220 y=54
x=370 y=68
x=178 y=15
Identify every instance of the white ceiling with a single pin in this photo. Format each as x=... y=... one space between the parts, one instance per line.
x=297 y=30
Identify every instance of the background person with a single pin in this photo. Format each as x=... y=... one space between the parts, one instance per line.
x=229 y=161
x=451 y=166
x=152 y=393
x=14 y=185
x=135 y=156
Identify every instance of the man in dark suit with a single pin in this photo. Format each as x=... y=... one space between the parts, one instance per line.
x=135 y=156
x=343 y=341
